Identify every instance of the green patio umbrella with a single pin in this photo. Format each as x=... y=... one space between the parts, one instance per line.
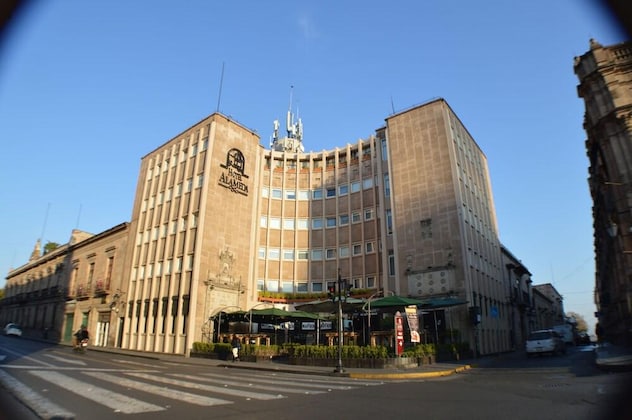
x=329 y=306
x=395 y=302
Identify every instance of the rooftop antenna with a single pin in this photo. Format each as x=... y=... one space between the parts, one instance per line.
x=45 y=221
x=221 y=83
x=392 y=105
x=78 y=217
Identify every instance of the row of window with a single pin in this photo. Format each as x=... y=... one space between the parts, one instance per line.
x=316 y=222
x=319 y=193
x=164 y=165
x=303 y=286
x=317 y=254
x=168 y=228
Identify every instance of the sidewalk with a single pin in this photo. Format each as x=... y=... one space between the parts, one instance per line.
x=611 y=357
x=425 y=371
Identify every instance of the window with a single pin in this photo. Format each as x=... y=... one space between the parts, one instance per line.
x=331 y=254
x=368 y=214
x=370 y=282
x=288 y=287
x=302 y=254
x=343 y=189
x=387 y=186
x=389 y=221
x=317 y=223
x=367 y=183
x=355 y=217
x=317 y=287
x=275 y=223
x=277 y=193
x=344 y=219
x=302 y=224
x=265 y=192
x=303 y=195
x=317 y=254
x=331 y=222
x=343 y=252
x=357 y=249
x=260 y=284
x=272 y=285
x=301 y=287
x=274 y=253
x=262 y=252
x=384 y=151
x=317 y=194
x=369 y=248
x=355 y=186
x=290 y=194
x=391 y=262
x=288 y=254
x=194 y=150
x=331 y=192
x=288 y=224
x=263 y=222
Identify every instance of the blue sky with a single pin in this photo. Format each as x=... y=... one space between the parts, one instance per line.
x=87 y=89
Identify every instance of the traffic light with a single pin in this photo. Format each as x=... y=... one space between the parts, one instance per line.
x=331 y=292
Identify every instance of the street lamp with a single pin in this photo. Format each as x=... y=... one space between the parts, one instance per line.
x=339 y=368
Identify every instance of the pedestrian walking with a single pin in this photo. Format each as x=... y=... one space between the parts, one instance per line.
x=236 y=345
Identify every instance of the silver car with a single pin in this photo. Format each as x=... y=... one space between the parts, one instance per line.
x=544 y=342
x=13 y=329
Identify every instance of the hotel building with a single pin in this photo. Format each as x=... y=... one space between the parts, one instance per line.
x=219 y=222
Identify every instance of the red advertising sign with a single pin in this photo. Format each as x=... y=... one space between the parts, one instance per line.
x=399 y=334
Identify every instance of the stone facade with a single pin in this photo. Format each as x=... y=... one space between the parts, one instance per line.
x=605 y=85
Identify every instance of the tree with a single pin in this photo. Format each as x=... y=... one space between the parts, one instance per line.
x=50 y=246
x=580 y=322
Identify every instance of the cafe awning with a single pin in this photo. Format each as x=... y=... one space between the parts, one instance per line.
x=329 y=306
x=395 y=302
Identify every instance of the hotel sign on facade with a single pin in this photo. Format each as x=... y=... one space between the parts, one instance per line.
x=233 y=177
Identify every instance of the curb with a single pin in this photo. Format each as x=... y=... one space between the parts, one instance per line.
x=412 y=375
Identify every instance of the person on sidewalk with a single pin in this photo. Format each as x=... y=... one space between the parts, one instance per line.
x=236 y=345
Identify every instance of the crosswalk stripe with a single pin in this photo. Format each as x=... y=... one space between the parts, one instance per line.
x=118 y=402
x=43 y=407
x=273 y=381
x=306 y=381
x=276 y=386
x=127 y=362
x=158 y=390
x=210 y=388
x=67 y=360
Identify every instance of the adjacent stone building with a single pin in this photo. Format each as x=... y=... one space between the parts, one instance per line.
x=605 y=85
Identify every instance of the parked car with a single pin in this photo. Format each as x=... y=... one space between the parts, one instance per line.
x=544 y=342
x=13 y=329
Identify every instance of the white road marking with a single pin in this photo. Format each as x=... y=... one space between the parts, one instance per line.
x=24 y=356
x=159 y=390
x=127 y=362
x=43 y=407
x=202 y=387
x=289 y=387
x=67 y=360
x=119 y=402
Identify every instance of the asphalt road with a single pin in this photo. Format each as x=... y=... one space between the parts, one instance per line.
x=56 y=383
